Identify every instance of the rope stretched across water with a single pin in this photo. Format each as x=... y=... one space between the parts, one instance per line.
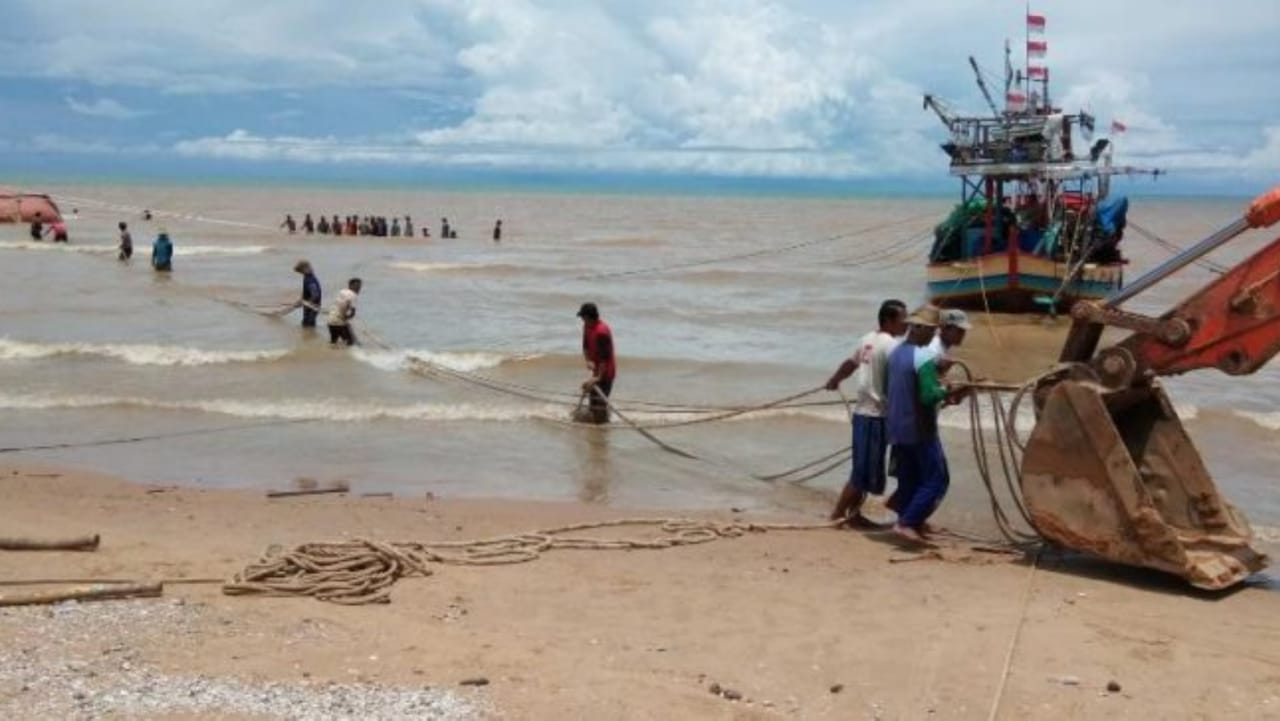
x=363 y=571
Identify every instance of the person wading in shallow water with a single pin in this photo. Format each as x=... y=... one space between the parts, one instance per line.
x=868 y=366
x=126 y=242
x=162 y=253
x=344 y=309
x=597 y=349
x=310 y=300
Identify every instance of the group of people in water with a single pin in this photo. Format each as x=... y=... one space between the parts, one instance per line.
x=161 y=247
x=340 y=315
x=371 y=225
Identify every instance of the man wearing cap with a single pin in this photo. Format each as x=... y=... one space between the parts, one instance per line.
x=915 y=394
x=952 y=326
x=310 y=300
x=867 y=365
x=597 y=349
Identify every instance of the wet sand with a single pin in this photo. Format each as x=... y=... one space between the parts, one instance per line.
x=808 y=625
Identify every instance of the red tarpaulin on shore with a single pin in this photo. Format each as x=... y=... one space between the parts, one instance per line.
x=18 y=207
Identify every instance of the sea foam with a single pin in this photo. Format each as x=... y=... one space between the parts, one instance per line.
x=324 y=409
x=140 y=250
x=147 y=355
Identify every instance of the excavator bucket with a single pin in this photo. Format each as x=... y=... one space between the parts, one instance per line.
x=1114 y=474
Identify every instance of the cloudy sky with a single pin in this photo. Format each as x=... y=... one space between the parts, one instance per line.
x=808 y=89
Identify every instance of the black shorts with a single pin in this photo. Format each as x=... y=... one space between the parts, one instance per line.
x=341 y=333
x=598 y=406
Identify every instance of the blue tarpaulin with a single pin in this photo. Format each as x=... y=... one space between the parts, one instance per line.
x=1111 y=216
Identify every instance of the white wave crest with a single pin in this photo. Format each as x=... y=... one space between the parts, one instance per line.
x=327 y=409
x=179 y=251
x=417 y=267
x=461 y=361
x=1270 y=534
x=1270 y=421
x=147 y=355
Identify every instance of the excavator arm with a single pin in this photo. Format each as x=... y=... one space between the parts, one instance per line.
x=1109 y=469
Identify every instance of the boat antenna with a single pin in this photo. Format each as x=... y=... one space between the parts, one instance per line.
x=982 y=85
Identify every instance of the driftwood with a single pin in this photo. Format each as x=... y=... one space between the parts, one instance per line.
x=341 y=488
x=79 y=543
x=84 y=593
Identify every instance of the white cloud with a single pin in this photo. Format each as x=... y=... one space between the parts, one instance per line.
x=103 y=108
x=757 y=87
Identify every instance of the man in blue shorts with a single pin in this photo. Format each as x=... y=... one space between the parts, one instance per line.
x=915 y=394
x=867 y=365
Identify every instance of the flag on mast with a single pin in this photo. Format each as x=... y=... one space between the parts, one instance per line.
x=1118 y=127
x=1037 y=73
x=1035 y=23
x=1037 y=48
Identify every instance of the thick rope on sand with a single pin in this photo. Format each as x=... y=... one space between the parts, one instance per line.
x=363 y=571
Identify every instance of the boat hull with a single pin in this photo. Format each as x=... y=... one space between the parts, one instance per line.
x=1020 y=284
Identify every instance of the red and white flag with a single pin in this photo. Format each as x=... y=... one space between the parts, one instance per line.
x=1015 y=102
x=1035 y=23
x=1037 y=48
x=1037 y=73
x=1118 y=127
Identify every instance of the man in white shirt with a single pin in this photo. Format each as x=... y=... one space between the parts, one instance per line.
x=868 y=365
x=344 y=309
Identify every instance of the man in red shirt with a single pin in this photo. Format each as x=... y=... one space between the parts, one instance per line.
x=597 y=349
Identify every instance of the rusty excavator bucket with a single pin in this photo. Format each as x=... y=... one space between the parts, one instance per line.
x=1109 y=468
x=1114 y=474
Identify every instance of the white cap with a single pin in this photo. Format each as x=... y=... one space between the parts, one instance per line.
x=953 y=317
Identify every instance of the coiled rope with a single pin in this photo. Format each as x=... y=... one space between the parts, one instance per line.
x=363 y=571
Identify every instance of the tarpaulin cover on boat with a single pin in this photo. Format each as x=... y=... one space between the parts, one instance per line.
x=1112 y=214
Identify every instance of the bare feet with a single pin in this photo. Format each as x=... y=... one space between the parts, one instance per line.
x=910 y=534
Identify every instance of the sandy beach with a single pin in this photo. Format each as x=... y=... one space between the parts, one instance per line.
x=791 y=624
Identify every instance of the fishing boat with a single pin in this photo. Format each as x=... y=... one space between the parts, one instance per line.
x=1037 y=227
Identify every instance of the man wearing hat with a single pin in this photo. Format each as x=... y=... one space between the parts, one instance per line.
x=952 y=326
x=915 y=394
x=310 y=300
x=597 y=349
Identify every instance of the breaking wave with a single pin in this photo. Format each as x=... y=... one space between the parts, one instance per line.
x=179 y=251
x=424 y=267
x=1270 y=421
x=147 y=355
x=327 y=409
x=461 y=361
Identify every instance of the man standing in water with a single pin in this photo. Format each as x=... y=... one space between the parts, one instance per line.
x=310 y=300
x=162 y=253
x=597 y=349
x=868 y=366
x=497 y=232
x=344 y=309
x=126 y=242
x=915 y=395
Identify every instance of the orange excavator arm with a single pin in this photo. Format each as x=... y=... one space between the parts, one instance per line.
x=1232 y=324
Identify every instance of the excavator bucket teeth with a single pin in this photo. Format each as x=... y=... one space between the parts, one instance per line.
x=1114 y=474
